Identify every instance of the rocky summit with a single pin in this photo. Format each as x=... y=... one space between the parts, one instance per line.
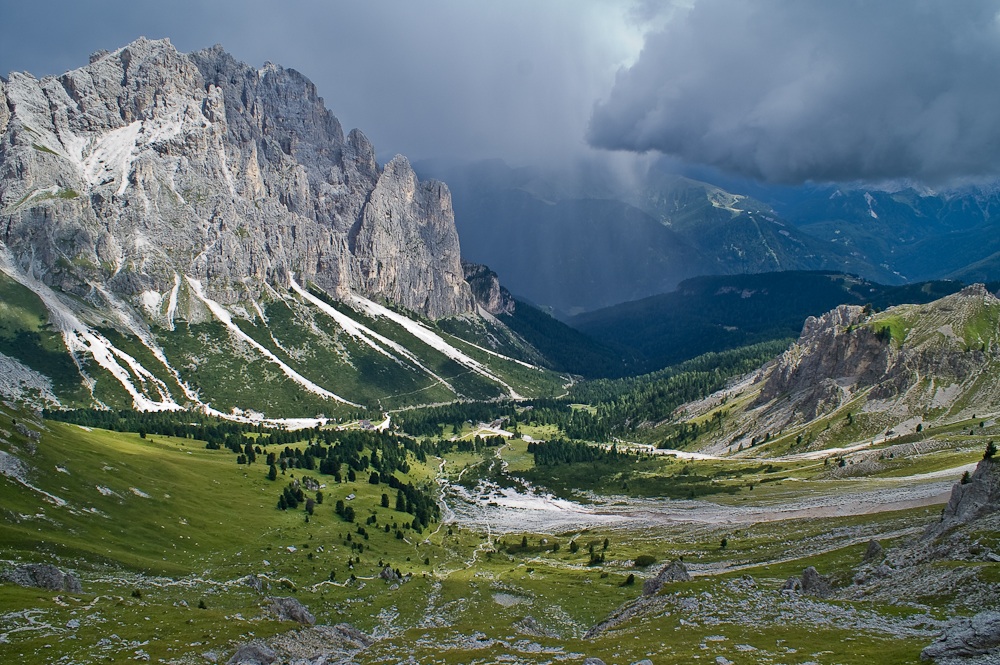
x=149 y=165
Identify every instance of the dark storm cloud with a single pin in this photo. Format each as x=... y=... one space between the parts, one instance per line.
x=451 y=78
x=796 y=90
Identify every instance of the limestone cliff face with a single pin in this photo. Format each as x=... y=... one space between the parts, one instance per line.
x=831 y=358
x=486 y=289
x=148 y=164
x=898 y=368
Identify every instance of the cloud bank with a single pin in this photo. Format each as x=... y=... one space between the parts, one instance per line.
x=813 y=90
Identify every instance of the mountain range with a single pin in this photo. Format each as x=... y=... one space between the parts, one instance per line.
x=587 y=237
x=184 y=229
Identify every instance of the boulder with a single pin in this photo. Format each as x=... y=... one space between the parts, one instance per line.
x=811 y=583
x=874 y=552
x=967 y=638
x=792 y=585
x=286 y=608
x=672 y=572
x=43 y=576
x=254 y=653
x=815 y=584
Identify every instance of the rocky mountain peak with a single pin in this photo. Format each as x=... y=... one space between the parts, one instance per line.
x=900 y=367
x=832 y=357
x=148 y=164
x=486 y=289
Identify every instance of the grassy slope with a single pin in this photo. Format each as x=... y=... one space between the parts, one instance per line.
x=227 y=372
x=208 y=521
x=27 y=335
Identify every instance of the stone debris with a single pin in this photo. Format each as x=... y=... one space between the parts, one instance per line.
x=975 y=637
x=674 y=571
x=43 y=576
x=286 y=608
x=255 y=653
x=530 y=626
x=254 y=582
x=316 y=645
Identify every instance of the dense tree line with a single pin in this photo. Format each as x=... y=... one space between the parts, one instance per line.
x=183 y=424
x=561 y=451
x=624 y=404
x=432 y=421
x=474 y=444
x=347 y=454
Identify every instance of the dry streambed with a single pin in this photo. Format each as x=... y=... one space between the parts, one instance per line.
x=512 y=510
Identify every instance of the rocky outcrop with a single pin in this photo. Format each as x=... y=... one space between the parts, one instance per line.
x=388 y=574
x=674 y=571
x=43 y=576
x=966 y=639
x=831 y=356
x=972 y=500
x=811 y=584
x=286 y=608
x=148 y=163
x=486 y=289
x=896 y=366
x=254 y=653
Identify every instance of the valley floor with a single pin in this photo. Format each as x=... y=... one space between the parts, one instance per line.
x=179 y=551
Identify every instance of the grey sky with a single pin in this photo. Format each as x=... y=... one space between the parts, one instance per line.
x=780 y=90
x=429 y=78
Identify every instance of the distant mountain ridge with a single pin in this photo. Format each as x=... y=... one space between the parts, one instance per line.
x=580 y=241
x=587 y=237
x=727 y=311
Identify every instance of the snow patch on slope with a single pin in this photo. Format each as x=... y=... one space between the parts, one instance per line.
x=869 y=199
x=428 y=337
x=113 y=153
x=172 y=301
x=226 y=319
x=365 y=334
x=81 y=339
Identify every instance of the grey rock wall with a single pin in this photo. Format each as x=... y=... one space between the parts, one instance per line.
x=149 y=163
